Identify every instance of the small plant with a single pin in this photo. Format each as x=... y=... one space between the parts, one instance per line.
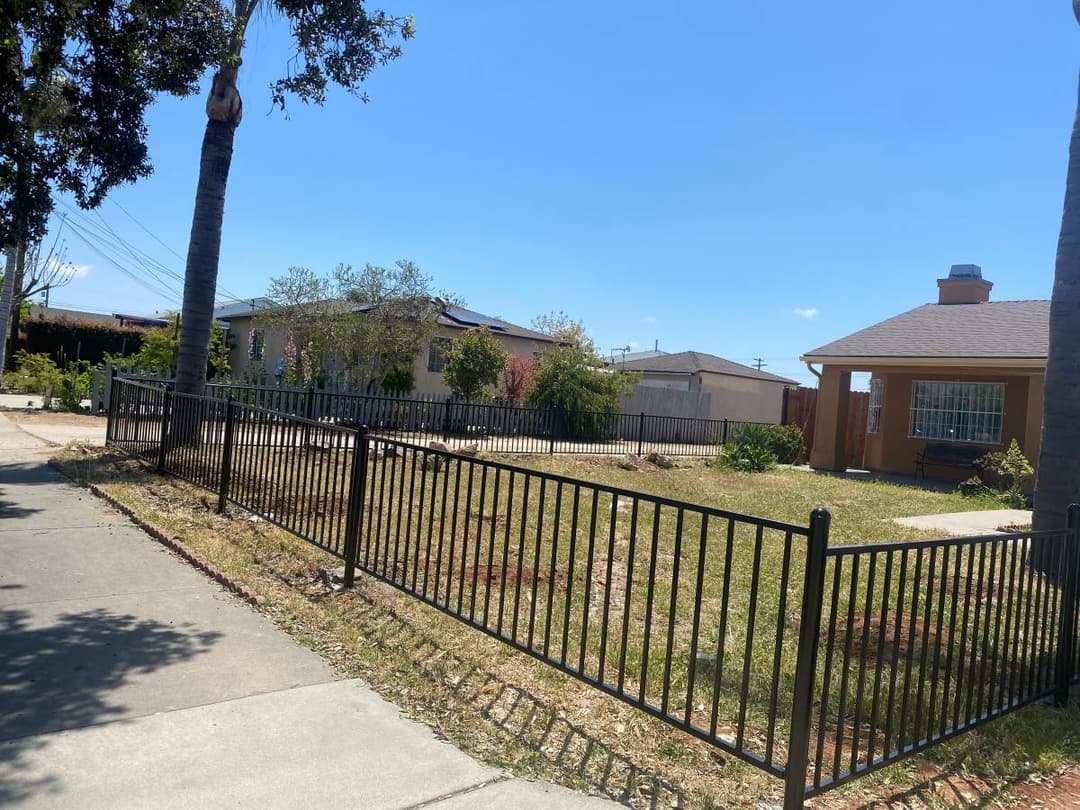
x=1002 y=475
x=749 y=449
x=786 y=443
x=73 y=386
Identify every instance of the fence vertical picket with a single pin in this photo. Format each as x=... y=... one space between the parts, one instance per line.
x=226 y=455
x=806 y=661
x=1066 y=638
x=163 y=443
x=354 y=518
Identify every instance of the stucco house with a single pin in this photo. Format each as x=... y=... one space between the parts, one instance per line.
x=960 y=376
x=254 y=351
x=738 y=392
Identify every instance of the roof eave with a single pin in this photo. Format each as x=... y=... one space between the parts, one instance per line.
x=909 y=361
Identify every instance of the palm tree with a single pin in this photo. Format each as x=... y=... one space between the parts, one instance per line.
x=338 y=42
x=1058 y=481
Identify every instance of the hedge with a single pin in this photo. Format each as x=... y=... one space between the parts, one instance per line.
x=65 y=340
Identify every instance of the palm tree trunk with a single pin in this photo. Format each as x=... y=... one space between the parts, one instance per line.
x=17 y=296
x=7 y=295
x=223 y=109
x=1058 y=481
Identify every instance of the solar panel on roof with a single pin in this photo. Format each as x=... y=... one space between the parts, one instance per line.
x=467 y=316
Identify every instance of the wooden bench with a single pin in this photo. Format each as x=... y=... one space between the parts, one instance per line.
x=957 y=456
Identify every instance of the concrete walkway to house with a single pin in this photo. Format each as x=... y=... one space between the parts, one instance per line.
x=968 y=524
x=130 y=680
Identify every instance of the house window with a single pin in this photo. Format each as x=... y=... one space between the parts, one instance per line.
x=256 y=344
x=436 y=360
x=873 y=415
x=957 y=411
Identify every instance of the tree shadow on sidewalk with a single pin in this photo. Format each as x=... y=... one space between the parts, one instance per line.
x=64 y=675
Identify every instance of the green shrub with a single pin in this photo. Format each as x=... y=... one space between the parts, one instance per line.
x=1002 y=475
x=73 y=386
x=749 y=449
x=786 y=443
x=399 y=380
x=32 y=374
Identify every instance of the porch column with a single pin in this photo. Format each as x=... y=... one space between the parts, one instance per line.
x=1033 y=419
x=830 y=422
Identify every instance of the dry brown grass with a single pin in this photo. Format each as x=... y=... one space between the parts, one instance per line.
x=512 y=711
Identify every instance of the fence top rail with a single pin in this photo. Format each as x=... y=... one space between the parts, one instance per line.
x=855 y=549
x=288 y=417
x=658 y=500
x=144 y=382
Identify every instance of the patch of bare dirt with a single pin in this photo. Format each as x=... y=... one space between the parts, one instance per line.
x=1061 y=790
x=37 y=417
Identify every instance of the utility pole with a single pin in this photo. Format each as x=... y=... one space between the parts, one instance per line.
x=758 y=363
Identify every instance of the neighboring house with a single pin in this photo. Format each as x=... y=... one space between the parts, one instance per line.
x=37 y=312
x=965 y=372
x=252 y=350
x=737 y=392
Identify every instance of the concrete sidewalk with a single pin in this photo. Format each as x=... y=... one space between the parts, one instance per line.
x=129 y=680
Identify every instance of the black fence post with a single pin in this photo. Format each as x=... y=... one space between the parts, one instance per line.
x=357 y=484
x=641 y=433
x=110 y=410
x=446 y=420
x=226 y=456
x=806 y=661
x=724 y=433
x=166 y=400
x=1066 y=647
x=554 y=429
x=309 y=403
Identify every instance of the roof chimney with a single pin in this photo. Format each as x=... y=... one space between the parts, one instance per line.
x=965 y=285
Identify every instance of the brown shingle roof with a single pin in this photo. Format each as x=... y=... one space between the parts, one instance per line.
x=694 y=362
x=1013 y=330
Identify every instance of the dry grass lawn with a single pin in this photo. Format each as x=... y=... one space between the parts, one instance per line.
x=513 y=711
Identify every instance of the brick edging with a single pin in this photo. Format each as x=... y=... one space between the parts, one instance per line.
x=195 y=558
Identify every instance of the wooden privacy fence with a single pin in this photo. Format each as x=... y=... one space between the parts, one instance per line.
x=800 y=408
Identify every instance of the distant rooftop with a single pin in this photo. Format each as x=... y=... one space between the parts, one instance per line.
x=695 y=362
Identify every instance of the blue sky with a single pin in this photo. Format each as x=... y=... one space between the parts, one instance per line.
x=746 y=179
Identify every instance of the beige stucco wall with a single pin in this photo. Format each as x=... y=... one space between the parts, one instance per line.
x=431 y=382
x=893 y=450
x=742 y=398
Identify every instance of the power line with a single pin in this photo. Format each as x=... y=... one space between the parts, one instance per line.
x=105 y=234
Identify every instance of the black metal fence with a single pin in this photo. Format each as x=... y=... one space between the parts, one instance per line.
x=499 y=427
x=816 y=664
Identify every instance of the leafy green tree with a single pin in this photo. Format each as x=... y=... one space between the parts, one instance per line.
x=75 y=81
x=473 y=362
x=160 y=348
x=337 y=42
x=572 y=378
x=365 y=323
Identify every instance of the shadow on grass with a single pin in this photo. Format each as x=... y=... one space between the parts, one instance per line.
x=513 y=712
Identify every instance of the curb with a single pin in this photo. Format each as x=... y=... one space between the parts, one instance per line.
x=193 y=557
